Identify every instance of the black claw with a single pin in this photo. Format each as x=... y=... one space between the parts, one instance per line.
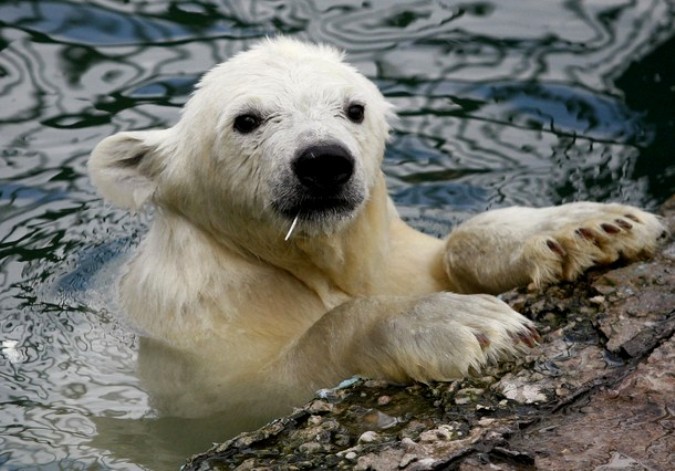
x=610 y=228
x=527 y=340
x=483 y=341
x=585 y=233
x=556 y=247
x=624 y=224
x=530 y=338
x=589 y=235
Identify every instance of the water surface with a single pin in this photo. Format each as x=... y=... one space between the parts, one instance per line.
x=501 y=103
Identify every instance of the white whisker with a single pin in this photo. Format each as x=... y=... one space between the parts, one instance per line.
x=290 y=231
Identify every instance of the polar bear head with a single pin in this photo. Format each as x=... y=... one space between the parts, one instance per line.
x=283 y=130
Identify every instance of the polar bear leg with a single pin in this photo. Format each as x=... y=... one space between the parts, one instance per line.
x=435 y=337
x=501 y=249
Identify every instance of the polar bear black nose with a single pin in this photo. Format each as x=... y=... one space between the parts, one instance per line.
x=325 y=167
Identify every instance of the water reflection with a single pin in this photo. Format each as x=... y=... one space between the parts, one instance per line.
x=649 y=89
x=510 y=102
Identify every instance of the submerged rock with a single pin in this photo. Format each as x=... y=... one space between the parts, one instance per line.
x=597 y=393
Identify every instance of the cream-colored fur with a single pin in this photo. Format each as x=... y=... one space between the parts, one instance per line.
x=239 y=319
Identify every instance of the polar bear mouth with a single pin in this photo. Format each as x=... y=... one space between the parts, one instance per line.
x=314 y=208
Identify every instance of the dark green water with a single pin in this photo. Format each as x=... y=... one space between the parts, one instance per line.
x=511 y=102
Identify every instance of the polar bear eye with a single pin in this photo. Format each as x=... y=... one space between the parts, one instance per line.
x=246 y=123
x=355 y=113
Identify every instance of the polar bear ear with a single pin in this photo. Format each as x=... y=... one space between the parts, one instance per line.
x=123 y=167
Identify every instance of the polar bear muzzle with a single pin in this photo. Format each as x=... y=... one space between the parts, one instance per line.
x=322 y=184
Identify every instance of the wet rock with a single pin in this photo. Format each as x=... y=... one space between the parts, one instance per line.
x=369 y=437
x=644 y=306
x=597 y=393
x=520 y=390
x=627 y=425
x=468 y=395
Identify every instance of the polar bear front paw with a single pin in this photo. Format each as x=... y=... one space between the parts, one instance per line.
x=603 y=235
x=446 y=336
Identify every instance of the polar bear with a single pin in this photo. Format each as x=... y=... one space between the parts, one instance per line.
x=276 y=263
